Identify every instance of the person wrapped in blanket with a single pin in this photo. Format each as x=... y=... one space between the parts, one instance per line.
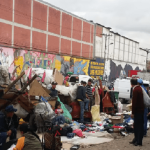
x=29 y=140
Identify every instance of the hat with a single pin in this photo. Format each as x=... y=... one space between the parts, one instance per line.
x=10 y=108
x=140 y=81
x=90 y=80
x=84 y=82
x=54 y=83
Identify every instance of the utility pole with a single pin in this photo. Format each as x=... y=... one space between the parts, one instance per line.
x=106 y=37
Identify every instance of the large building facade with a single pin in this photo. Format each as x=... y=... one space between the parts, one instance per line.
x=34 y=33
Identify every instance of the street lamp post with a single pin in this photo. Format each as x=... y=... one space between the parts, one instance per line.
x=106 y=36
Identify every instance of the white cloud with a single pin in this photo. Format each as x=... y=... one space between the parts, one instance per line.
x=130 y=18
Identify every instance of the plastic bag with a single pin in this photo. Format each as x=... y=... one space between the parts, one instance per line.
x=66 y=113
x=20 y=111
x=73 y=91
x=12 y=147
x=43 y=116
x=95 y=113
x=146 y=98
x=44 y=108
x=63 y=90
x=97 y=97
x=68 y=108
x=120 y=106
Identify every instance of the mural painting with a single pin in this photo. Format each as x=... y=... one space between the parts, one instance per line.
x=16 y=61
x=117 y=71
x=75 y=65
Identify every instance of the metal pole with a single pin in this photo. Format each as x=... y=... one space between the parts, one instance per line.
x=105 y=54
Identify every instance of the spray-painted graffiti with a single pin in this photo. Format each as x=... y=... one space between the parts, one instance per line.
x=75 y=65
x=21 y=60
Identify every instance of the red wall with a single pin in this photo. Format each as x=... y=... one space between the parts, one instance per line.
x=45 y=28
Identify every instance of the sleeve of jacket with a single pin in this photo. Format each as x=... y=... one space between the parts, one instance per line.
x=2 y=123
x=84 y=92
x=20 y=144
x=134 y=101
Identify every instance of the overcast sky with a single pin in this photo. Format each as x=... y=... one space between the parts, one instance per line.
x=130 y=18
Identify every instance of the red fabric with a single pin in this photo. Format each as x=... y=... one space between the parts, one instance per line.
x=100 y=91
x=78 y=132
x=93 y=90
x=117 y=127
x=57 y=111
x=43 y=78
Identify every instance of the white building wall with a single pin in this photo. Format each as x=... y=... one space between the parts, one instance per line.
x=124 y=52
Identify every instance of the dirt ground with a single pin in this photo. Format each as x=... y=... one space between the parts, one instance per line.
x=121 y=143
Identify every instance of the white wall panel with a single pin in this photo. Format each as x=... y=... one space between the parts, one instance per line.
x=105 y=52
x=137 y=53
x=98 y=46
x=121 y=53
x=111 y=46
x=116 y=47
x=126 y=50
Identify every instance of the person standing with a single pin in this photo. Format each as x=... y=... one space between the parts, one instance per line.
x=53 y=91
x=140 y=82
x=81 y=96
x=7 y=127
x=137 y=113
x=89 y=92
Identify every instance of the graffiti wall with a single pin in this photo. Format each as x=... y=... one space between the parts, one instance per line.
x=16 y=61
x=116 y=69
x=21 y=60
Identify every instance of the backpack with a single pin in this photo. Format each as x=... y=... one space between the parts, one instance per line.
x=146 y=98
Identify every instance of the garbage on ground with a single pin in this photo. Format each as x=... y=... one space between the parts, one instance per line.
x=33 y=99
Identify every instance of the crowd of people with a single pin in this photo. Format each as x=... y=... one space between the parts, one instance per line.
x=85 y=97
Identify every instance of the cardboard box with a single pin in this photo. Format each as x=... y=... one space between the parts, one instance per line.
x=117 y=119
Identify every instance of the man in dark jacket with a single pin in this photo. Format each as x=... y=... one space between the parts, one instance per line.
x=81 y=97
x=53 y=91
x=137 y=113
x=7 y=127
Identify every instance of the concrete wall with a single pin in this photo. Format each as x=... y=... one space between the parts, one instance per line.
x=36 y=25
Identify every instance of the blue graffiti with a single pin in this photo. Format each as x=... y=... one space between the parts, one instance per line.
x=78 y=68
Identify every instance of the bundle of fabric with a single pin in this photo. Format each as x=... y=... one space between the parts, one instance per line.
x=43 y=116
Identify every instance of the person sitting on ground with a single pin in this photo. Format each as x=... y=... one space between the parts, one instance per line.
x=7 y=126
x=29 y=139
x=58 y=109
x=53 y=91
x=59 y=118
x=81 y=98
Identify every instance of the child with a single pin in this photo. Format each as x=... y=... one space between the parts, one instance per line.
x=58 y=109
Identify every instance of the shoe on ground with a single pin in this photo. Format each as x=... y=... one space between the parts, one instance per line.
x=135 y=144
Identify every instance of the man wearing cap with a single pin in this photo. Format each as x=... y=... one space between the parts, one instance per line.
x=53 y=91
x=7 y=127
x=140 y=82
